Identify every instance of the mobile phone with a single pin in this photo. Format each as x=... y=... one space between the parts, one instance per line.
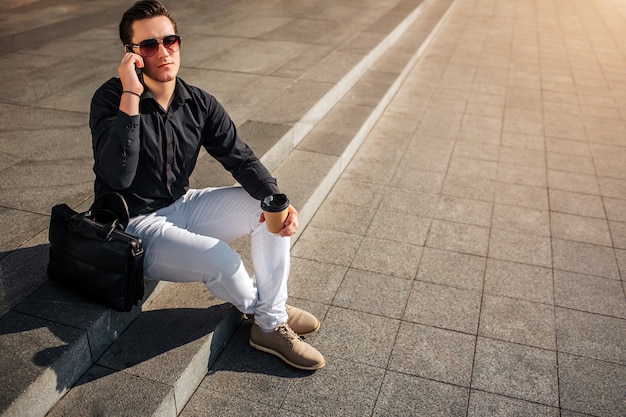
x=137 y=69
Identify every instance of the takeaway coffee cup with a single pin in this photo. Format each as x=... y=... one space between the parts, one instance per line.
x=275 y=210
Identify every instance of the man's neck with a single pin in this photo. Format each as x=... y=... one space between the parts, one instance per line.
x=163 y=92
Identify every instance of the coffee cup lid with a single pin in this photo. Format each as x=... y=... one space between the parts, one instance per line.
x=275 y=202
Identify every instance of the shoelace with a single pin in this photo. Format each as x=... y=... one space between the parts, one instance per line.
x=287 y=333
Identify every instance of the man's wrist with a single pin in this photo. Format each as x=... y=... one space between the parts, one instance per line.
x=132 y=92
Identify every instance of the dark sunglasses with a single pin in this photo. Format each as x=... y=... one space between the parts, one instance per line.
x=149 y=47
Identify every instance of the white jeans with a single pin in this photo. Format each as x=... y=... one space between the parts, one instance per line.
x=188 y=242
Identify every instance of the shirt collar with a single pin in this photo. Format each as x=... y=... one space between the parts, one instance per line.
x=181 y=95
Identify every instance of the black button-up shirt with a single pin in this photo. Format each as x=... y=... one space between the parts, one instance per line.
x=148 y=158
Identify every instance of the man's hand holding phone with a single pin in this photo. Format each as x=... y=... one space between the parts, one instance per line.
x=130 y=73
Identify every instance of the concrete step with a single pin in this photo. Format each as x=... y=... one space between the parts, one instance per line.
x=149 y=361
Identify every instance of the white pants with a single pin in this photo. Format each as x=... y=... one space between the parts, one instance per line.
x=188 y=242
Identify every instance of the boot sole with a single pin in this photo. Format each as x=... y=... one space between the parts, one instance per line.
x=287 y=361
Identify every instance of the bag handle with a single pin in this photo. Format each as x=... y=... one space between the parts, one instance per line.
x=111 y=205
x=104 y=218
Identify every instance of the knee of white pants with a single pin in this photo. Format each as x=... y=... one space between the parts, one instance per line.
x=229 y=281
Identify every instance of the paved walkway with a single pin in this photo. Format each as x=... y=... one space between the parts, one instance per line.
x=471 y=259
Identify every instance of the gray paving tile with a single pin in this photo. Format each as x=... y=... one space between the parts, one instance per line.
x=568 y=146
x=410 y=202
x=487 y=404
x=424 y=161
x=476 y=150
x=470 y=188
x=327 y=139
x=440 y=124
x=400 y=227
x=23 y=269
x=514 y=246
x=518 y=321
x=356 y=193
x=615 y=209
x=591 y=386
x=479 y=136
x=314 y=280
x=462 y=210
x=424 y=396
x=54 y=181
x=584 y=258
x=520 y=281
x=577 y=203
x=447 y=307
x=398 y=128
x=328 y=246
x=452 y=269
x=473 y=168
x=432 y=144
x=458 y=237
x=590 y=294
x=370 y=152
x=255 y=56
x=591 y=335
x=242 y=94
x=519 y=120
x=523 y=141
x=373 y=293
x=387 y=257
x=341 y=388
x=289 y=108
x=580 y=229
x=369 y=172
x=206 y=403
x=416 y=179
x=521 y=219
x=355 y=336
x=571 y=163
x=519 y=174
x=433 y=353
x=516 y=371
x=574 y=182
x=344 y=217
x=521 y=195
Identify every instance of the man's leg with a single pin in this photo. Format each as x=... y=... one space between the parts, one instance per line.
x=173 y=253
x=187 y=242
x=229 y=213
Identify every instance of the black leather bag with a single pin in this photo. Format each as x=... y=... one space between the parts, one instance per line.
x=90 y=253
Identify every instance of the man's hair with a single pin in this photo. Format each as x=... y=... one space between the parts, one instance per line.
x=143 y=9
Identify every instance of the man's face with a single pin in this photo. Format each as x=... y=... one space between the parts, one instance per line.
x=162 y=66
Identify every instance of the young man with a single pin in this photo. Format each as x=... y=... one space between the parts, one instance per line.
x=147 y=128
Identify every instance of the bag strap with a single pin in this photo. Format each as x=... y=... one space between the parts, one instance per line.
x=111 y=205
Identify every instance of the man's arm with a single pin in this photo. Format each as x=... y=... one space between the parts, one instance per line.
x=114 y=123
x=115 y=137
x=223 y=143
